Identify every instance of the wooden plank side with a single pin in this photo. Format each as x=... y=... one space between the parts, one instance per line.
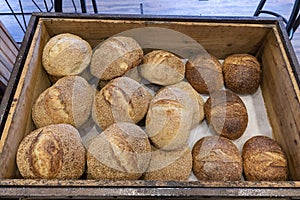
x=282 y=104
x=221 y=39
x=6 y=52
x=32 y=82
x=4 y=68
x=129 y=190
x=10 y=43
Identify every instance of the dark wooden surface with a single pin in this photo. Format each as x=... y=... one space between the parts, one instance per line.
x=90 y=189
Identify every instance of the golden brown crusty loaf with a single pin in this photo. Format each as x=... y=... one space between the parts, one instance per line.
x=66 y=54
x=68 y=101
x=197 y=103
x=264 y=160
x=226 y=114
x=115 y=56
x=216 y=158
x=169 y=165
x=169 y=119
x=52 y=152
x=121 y=152
x=121 y=100
x=242 y=73
x=204 y=73
x=162 y=68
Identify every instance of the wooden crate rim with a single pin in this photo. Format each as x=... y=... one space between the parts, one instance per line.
x=148 y=183
x=150 y=189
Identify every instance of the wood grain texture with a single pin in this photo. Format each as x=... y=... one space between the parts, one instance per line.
x=280 y=98
x=32 y=82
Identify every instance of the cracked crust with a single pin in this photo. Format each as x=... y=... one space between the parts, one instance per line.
x=52 y=152
x=169 y=119
x=115 y=56
x=226 y=114
x=66 y=54
x=68 y=101
x=216 y=158
x=121 y=100
x=121 y=152
x=197 y=102
x=204 y=73
x=162 y=68
x=242 y=73
x=264 y=160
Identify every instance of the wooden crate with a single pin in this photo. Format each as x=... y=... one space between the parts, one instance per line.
x=265 y=38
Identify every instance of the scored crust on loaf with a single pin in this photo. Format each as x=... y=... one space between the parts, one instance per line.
x=54 y=151
x=162 y=68
x=169 y=119
x=197 y=102
x=226 y=114
x=204 y=73
x=120 y=152
x=115 y=56
x=66 y=54
x=264 y=160
x=121 y=100
x=68 y=101
x=216 y=158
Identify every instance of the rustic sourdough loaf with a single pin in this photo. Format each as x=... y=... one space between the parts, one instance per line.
x=226 y=114
x=264 y=160
x=204 y=73
x=169 y=118
x=216 y=158
x=52 y=152
x=162 y=68
x=66 y=54
x=197 y=103
x=121 y=100
x=115 y=56
x=68 y=101
x=242 y=73
x=120 y=152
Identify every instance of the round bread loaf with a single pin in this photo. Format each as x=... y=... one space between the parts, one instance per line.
x=68 y=101
x=169 y=165
x=226 y=114
x=66 y=54
x=242 y=73
x=115 y=56
x=52 y=152
x=216 y=159
x=121 y=152
x=197 y=102
x=121 y=100
x=169 y=119
x=162 y=68
x=204 y=73
x=264 y=160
